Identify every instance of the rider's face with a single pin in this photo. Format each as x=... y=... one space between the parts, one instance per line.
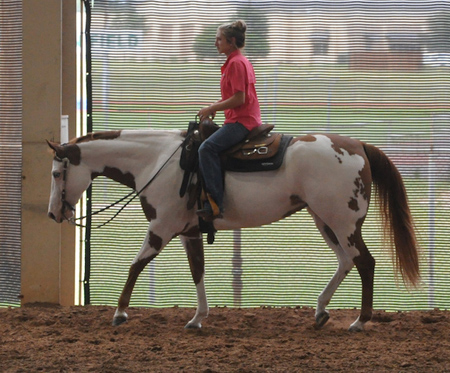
x=223 y=45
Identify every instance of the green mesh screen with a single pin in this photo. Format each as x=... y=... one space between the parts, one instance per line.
x=10 y=150
x=374 y=70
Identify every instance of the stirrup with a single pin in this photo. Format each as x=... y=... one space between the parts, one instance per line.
x=210 y=210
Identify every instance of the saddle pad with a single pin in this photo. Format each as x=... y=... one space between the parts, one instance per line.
x=255 y=165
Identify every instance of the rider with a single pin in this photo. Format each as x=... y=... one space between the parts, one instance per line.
x=241 y=108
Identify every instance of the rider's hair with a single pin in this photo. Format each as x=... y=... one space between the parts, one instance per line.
x=235 y=30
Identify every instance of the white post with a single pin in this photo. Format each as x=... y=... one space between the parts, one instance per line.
x=64 y=137
x=431 y=217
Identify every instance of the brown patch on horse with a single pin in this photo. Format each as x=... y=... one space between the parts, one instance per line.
x=328 y=231
x=353 y=204
x=149 y=210
x=352 y=146
x=306 y=138
x=116 y=175
x=92 y=136
x=191 y=232
x=71 y=152
x=364 y=182
x=133 y=274
x=194 y=250
x=355 y=238
x=155 y=241
x=295 y=201
x=365 y=264
x=362 y=187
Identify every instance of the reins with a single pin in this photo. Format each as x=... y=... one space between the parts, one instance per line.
x=73 y=220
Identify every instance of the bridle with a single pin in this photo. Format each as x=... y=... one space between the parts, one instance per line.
x=67 y=206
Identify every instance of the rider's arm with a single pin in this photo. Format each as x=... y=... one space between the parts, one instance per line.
x=234 y=101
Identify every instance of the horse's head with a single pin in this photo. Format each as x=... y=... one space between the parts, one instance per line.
x=69 y=180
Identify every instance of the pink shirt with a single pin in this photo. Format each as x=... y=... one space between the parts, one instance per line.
x=238 y=76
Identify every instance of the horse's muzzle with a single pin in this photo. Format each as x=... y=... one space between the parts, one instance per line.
x=52 y=216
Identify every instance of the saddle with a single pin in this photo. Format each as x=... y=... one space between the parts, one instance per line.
x=261 y=150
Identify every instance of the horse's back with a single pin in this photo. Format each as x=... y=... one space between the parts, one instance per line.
x=323 y=172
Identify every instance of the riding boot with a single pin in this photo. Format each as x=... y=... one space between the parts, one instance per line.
x=210 y=210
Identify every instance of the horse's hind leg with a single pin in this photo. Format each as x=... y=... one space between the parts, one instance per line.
x=344 y=267
x=365 y=263
x=193 y=244
x=152 y=246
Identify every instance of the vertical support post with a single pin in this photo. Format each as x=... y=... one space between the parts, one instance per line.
x=87 y=241
x=48 y=249
x=41 y=238
x=237 y=268
x=431 y=218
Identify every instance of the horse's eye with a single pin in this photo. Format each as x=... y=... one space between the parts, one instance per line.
x=56 y=174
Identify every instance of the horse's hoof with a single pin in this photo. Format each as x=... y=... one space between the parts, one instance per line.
x=321 y=319
x=119 y=320
x=357 y=326
x=193 y=326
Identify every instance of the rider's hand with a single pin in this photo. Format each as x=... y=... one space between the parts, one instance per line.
x=206 y=112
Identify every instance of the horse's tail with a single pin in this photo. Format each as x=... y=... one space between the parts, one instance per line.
x=397 y=220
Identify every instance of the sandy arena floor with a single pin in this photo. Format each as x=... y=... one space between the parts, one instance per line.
x=82 y=339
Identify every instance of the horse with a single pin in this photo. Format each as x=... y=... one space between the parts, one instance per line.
x=331 y=176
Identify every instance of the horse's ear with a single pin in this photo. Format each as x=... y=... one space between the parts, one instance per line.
x=52 y=145
x=56 y=148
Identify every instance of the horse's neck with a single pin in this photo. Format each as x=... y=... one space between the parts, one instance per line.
x=131 y=152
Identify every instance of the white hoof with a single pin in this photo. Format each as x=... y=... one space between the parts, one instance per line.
x=120 y=317
x=322 y=318
x=193 y=325
x=357 y=326
x=196 y=322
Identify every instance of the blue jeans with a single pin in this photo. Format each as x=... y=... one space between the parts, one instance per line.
x=209 y=161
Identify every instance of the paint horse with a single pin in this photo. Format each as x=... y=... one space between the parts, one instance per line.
x=328 y=175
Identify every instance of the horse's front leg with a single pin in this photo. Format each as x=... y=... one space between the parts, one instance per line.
x=193 y=244
x=151 y=247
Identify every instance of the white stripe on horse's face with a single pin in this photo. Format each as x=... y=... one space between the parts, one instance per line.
x=73 y=181
x=55 y=207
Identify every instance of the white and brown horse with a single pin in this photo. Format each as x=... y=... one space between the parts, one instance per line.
x=329 y=175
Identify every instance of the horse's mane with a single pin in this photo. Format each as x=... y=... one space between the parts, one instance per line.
x=111 y=135
x=101 y=135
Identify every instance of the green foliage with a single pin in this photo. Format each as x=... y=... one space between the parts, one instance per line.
x=439 y=36
x=257 y=44
x=204 y=43
x=122 y=15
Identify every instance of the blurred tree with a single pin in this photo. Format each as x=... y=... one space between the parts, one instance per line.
x=257 y=42
x=204 y=43
x=120 y=14
x=439 y=33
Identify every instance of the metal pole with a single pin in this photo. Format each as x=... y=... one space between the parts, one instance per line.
x=330 y=98
x=431 y=218
x=236 y=262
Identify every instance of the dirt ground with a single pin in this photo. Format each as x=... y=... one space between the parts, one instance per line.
x=82 y=339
